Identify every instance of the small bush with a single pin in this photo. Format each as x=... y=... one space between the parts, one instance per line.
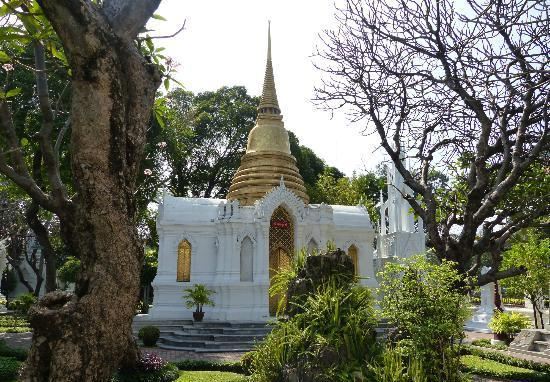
x=150 y=368
x=488 y=368
x=506 y=359
x=9 y=368
x=486 y=343
x=22 y=303
x=149 y=335
x=14 y=323
x=509 y=323
x=6 y=351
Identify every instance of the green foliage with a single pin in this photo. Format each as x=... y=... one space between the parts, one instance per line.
x=489 y=368
x=14 y=323
x=149 y=335
x=68 y=272
x=167 y=373
x=392 y=367
x=486 y=343
x=9 y=368
x=149 y=267
x=205 y=365
x=22 y=303
x=283 y=276
x=361 y=189
x=531 y=251
x=506 y=359
x=422 y=301
x=332 y=336
x=509 y=322
x=6 y=351
x=198 y=296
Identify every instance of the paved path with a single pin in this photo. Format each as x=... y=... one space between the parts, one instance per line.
x=175 y=355
x=23 y=340
x=17 y=340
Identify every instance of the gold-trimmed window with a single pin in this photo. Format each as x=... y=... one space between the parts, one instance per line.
x=184 y=261
x=352 y=252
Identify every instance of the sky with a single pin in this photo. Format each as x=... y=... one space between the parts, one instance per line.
x=224 y=43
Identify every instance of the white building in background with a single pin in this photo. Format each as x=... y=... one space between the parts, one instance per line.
x=233 y=246
x=400 y=234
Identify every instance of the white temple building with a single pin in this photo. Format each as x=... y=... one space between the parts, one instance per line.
x=234 y=245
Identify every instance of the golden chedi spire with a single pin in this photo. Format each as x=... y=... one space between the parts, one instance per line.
x=267 y=156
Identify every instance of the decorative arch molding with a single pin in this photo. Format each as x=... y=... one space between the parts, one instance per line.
x=246 y=233
x=311 y=236
x=280 y=196
x=186 y=236
x=351 y=242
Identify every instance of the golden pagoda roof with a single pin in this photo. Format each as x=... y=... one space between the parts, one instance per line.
x=268 y=156
x=269 y=103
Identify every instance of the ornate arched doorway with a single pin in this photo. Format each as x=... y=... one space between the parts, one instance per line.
x=281 y=247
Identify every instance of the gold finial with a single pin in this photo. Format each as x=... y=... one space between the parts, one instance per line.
x=269 y=103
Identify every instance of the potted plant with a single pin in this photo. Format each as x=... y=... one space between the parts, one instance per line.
x=197 y=297
x=505 y=325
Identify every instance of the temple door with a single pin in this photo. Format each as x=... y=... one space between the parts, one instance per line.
x=281 y=248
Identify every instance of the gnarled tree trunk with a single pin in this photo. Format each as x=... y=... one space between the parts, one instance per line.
x=86 y=336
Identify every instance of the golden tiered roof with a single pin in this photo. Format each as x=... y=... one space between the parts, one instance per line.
x=267 y=156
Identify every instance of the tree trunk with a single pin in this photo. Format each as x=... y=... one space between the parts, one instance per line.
x=42 y=236
x=86 y=336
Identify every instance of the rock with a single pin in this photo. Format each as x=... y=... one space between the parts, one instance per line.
x=318 y=270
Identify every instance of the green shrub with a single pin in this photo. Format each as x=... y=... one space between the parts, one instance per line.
x=486 y=343
x=489 y=368
x=329 y=339
x=6 y=351
x=14 y=323
x=149 y=335
x=68 y=272
x=422 y=301
x=9 y=368
x=204 y=365
x=22 y=303
x=509 y=323
x=506 y=359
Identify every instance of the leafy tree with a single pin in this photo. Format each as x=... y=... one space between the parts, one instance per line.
x=532 y=252
x=361 y=189
x=462 y=90
x=204 y=136
x=113 y=89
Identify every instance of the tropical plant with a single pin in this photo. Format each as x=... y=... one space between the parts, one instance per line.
x=508 y=324
x=283 y=276
x=197 y=297
x=422 y=301
x=328 y=340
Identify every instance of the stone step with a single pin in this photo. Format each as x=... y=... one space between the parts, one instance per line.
x=231 y=350
x=215 y=337
x=225 y=330
x=541 y=346
x=173 y=341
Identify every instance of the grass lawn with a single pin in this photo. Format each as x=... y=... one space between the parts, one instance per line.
x=210 y=376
